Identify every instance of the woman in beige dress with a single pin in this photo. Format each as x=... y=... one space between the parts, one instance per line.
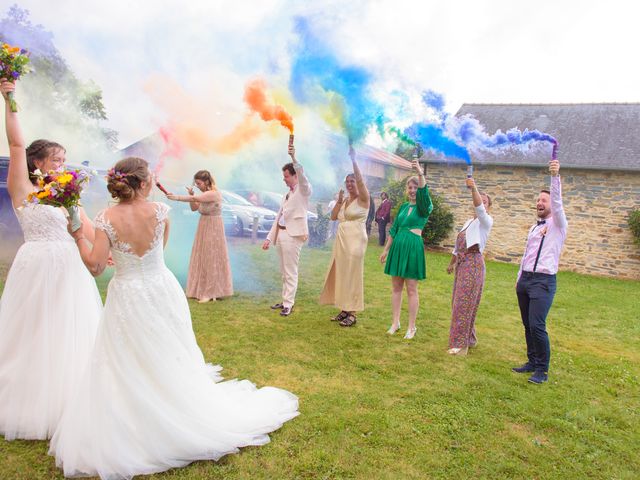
x=209 y=269
x=344 y=284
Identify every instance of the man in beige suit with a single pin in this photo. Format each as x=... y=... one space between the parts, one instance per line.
x=290 y=230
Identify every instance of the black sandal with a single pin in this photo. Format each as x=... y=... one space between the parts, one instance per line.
x=348 y=321
x=341 y=316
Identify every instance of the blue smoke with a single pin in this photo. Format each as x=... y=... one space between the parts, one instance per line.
x=313 y=66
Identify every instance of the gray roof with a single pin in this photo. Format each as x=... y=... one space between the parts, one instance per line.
x=590 y=135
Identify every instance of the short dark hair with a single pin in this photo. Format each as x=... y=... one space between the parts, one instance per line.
x=289 y=167
x=384 y=194
x=544 y=190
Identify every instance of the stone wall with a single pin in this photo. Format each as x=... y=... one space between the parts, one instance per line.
x=597 y=204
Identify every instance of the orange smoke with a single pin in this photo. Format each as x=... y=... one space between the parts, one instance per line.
x=256 y=97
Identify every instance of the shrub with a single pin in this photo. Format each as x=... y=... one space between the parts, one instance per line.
x=634 y=224
x=319 y=229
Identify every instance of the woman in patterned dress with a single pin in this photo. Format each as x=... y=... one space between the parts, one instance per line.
x=468 y=263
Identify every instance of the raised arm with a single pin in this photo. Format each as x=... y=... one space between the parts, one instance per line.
x=18 y=183
x=483 y=217
x=363 y=192
x=557 y=210
x=303 y=181
x=418 y=170
x=423 y=199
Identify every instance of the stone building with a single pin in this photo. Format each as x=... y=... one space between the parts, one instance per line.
x=600 y=169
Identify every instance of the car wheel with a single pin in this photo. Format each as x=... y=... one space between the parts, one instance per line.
x=239 y=229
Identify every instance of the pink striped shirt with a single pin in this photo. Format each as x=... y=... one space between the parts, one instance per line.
x=554 y=232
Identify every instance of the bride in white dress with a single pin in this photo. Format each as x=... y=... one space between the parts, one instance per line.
x=50 y=306
x=149 y=402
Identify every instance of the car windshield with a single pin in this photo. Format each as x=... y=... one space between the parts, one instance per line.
x=233 y=199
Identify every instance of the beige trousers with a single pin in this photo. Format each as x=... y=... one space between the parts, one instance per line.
x=289 y=251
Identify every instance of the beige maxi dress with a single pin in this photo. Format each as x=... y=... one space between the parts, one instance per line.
x=344 y=283
x=209 y=268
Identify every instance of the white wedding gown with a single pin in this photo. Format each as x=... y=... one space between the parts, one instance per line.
x=49 y=314
x=149 y=402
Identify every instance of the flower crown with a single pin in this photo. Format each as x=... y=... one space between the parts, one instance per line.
x=114 y=174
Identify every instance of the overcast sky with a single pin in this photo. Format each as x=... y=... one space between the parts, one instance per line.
x=499 y=51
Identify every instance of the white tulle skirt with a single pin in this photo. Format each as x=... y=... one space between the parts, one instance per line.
x=148 y=401
x=49 y=314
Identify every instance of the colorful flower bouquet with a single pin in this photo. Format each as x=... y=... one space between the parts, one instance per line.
x=61 y=188
x=14 y=62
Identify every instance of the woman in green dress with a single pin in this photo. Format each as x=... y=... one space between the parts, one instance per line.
x=403 y=254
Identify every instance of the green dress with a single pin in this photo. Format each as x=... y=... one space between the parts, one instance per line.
x=406 y=255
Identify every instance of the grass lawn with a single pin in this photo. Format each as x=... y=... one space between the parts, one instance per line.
x=380 y=407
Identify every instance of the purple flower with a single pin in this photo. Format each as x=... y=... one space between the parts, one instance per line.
x=15 y=74
x=23 y=51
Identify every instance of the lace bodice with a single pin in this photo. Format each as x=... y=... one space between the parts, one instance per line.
x=126 y=261
x=43 y=223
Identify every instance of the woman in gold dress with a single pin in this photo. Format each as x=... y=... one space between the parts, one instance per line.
x=344 y=284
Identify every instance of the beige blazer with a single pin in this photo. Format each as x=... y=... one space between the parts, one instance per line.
x=294 y=210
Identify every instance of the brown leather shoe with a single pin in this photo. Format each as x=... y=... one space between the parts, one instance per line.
x=286 y=311
x=277 y=306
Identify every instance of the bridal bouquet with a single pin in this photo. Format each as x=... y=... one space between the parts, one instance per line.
x=14 y=62
x=61 y=188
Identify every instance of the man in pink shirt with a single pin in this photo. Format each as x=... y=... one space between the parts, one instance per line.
x=536 y=285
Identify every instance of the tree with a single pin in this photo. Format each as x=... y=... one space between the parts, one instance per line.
x=60 y=97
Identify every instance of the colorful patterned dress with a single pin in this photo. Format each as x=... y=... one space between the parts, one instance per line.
x=467 y=291
x=406 y=255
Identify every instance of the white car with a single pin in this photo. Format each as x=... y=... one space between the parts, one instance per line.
x=246 y=214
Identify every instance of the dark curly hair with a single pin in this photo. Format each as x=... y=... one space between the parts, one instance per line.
x=40 y=150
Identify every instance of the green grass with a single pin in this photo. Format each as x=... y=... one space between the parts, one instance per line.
x=379 y=407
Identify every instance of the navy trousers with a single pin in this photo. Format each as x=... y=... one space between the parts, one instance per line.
x=535 y=296
x=382 y=232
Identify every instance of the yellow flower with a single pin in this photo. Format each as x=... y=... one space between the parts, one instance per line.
x=64 y=179
x=40 y=182
x=43 y=194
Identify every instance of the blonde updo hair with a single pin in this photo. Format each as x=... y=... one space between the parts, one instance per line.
x=206 y=177
x=125 y=178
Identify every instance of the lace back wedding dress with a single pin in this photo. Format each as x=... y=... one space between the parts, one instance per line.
x=49 y=314
x=149 y=402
